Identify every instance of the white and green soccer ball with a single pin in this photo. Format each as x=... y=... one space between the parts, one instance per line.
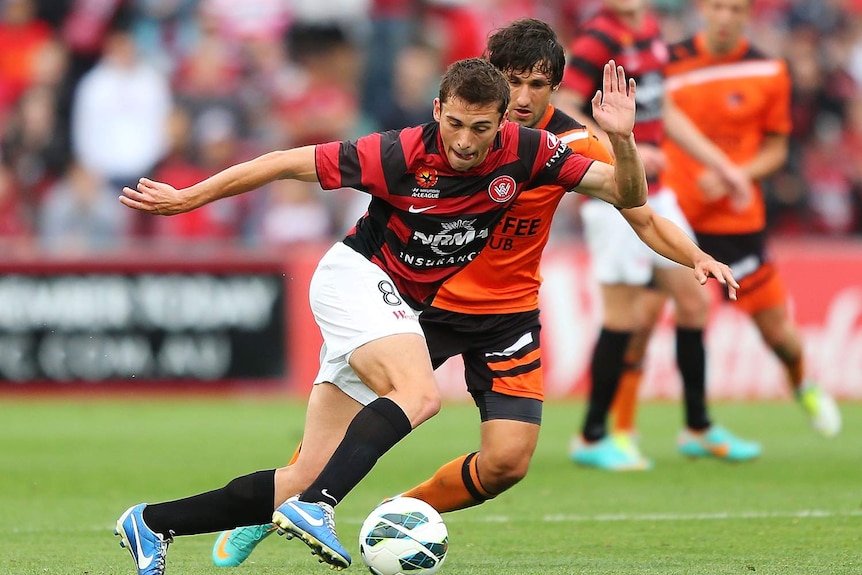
x=403 y=536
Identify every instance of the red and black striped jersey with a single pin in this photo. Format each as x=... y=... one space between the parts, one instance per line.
x=641 y=52
x=517 y=242
x=425 y=220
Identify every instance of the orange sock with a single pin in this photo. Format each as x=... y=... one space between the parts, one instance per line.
x=454 y=486
x=295 y=454
x=624 y=407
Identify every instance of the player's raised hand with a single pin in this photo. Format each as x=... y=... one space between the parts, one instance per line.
x=614 y=104
x=156 y=198
x=708 y=267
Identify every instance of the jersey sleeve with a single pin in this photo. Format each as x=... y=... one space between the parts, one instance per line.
x=556 y=164
x=584 y=142
x=354 y=164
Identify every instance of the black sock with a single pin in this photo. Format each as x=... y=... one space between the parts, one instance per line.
x=375 y=429
x=246 y=500
x=606 y=368
x=691 y=360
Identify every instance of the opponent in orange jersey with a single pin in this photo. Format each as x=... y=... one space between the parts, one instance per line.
x=740 y=100
x=489 y=311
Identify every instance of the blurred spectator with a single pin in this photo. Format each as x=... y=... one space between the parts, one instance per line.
x=22 y=36
x=830 y=192
x=85 y=30
x=214 y=139
x=322 y=105
x=119 y=113
x=80 y=214
x=165 y=30
x=245 y=20
x=15 y=220
x=295 y=214
x=35 y=143
x=417 y=73
x=454 y=27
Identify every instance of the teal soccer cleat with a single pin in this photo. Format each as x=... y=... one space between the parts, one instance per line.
x=147 y=547
x=616 y=452
x=314 y=523
x=717 y=442
x=234 y=546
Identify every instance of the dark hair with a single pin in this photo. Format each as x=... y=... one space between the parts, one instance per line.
x=475 y=81
x=526 y=44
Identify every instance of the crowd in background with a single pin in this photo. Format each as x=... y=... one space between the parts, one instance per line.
x=95 y=94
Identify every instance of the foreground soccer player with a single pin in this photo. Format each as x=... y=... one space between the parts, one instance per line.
x=740 y=100
x=489 y=312
x=367 y=290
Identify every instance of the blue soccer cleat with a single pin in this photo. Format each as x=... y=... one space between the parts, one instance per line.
x=234 y=546
x=147 y=547
x=717 y=442
x=618 y=452
x=314 y=523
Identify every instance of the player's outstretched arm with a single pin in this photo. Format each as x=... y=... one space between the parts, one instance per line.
x=668 y=239
x=614 y=112
x=162 y=199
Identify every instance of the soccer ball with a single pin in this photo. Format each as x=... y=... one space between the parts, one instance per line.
x=403 y=536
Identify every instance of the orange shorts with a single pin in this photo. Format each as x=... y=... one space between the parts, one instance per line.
x=762 y=289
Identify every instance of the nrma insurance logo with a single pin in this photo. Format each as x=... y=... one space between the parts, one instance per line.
x=452 y=238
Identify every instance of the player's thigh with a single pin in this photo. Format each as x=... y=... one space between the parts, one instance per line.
x=621 y=307
x=328 y=414
x=373 y=342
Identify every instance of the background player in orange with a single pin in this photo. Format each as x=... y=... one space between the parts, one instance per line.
x=489 y=312
x=625 y=270
x=740 y=100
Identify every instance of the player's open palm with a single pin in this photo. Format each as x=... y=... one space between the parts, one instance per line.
x=156 y=198
x=614 y=104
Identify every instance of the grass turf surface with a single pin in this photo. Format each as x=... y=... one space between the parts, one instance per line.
x=70 y=467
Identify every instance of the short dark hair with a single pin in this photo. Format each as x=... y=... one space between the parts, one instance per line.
x=526 y=44
x=475 y=81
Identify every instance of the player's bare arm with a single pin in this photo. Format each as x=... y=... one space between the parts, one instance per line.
x=162 y=199
x=668 y=239
x=624 y=184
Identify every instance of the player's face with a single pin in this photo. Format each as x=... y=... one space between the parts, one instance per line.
x=530 y=96
x=725 y=22
x=626 y=6
x=467 y=131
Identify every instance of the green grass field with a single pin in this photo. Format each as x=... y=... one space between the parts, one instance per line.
x=69 y=467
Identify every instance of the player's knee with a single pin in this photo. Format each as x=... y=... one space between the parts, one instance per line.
x=500 y=471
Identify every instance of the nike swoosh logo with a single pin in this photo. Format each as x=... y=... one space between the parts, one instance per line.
x=325 y=493
x=414 y=210
x=143 y=560
x=311 y=520
x=221 y=551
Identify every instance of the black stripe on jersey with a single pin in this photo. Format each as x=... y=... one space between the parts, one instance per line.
x=560 y=123
x=429 y=138
x=682 y=50
x=393 y=160
x=348 y=161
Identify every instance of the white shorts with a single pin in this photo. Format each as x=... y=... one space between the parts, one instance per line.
x=354 y=302
x=617 y=254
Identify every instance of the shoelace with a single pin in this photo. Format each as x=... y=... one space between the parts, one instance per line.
x=328 y=516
